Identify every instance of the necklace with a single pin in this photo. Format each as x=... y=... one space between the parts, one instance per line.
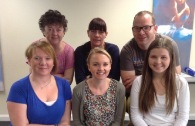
x=46 y=83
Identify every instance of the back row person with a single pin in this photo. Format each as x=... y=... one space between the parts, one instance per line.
x=97 y=32
x=133 y=53
x=53 y=25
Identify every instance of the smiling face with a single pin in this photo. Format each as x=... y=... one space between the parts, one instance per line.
x=144 y=38
x=159 y=60
x=99 y=65
x=41 y=63
x=54 y=33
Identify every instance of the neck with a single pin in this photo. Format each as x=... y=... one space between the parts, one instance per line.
x=99 y=84
x=41 y=81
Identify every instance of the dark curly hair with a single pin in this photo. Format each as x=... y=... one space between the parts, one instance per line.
x=52 y=17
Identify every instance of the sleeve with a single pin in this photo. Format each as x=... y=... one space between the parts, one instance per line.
x=126 y=59
x=80 y=63
x=68 y=91
x=120 y=104
x=136 y=116
x=176 y=51
x=183 y=103
x=17 y=93
x=76 y=105
x=115 y=67
x=69 y=57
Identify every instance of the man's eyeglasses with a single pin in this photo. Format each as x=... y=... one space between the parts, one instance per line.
x=145 y=28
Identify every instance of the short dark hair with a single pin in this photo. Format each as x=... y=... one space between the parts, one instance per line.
x=97 y=24
x=52 y=17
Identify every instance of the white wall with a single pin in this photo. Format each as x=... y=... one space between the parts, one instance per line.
x=19 y=27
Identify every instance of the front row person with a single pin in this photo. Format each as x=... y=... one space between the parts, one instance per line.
x=98 y=101
x=40 y=98
x=160 y=96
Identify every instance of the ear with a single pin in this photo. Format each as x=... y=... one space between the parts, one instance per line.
x=155 y=28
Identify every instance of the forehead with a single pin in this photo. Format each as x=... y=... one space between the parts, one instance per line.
x=98 y=57
x=142 y=20
x=159 y=51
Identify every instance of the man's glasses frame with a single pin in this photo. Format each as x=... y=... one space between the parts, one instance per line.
x=145 y=28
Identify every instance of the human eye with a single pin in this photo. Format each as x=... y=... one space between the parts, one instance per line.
x=59 y=29
x=37 y=58
x=48 y=58
x=101 y=32
x=146 y=28
x=105 y=64
x=164 y=57
x=152 y=56
x=95 y=64
x=93 y=31
x=136 y=28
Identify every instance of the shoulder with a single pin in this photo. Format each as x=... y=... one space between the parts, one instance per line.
x=120 y=86
x=137 y=82
x=68 y=47
x=83 y=47
x=181 y=82
x=22 y=83
x=79 y=87
x=108 y=44
x=129 y=45
x=111 y=48
x=61 y=81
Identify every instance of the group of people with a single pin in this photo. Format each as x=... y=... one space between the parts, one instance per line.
x=148 y=65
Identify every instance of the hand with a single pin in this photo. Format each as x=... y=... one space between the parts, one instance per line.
x=128 y=82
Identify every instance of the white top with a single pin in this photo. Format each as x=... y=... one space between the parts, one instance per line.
x=157 y=116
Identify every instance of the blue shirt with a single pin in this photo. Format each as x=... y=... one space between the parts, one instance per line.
x=37 y=111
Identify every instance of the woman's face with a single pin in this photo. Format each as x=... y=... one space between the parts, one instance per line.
x=41 y=63
x=54 y=33
x=159 y=60
x=97 y=38
x=99 y=65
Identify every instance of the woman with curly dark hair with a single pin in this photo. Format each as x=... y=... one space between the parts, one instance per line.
x=53 y=26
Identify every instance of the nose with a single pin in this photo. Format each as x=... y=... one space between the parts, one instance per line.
x=54 y=32
x=42 y=62
x=101 y=67
x=158 y=60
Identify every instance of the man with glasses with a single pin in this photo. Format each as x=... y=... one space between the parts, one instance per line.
x=133 y=53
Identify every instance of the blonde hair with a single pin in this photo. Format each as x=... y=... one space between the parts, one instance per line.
x=98 y=50
x=44 y=46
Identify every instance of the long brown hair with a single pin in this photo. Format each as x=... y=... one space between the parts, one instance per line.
x=147 y=93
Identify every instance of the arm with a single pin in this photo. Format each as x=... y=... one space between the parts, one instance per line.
x=68 y=74
x=183 y=104
x=136 y=116
x=120 y=105
x=115 y=68
x=65 y=121
x=17 y=114
x=80 y=66
x=127 y=79
x=76 y=105
x=181 y=17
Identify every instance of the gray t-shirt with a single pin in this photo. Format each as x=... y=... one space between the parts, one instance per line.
x=132 y=57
